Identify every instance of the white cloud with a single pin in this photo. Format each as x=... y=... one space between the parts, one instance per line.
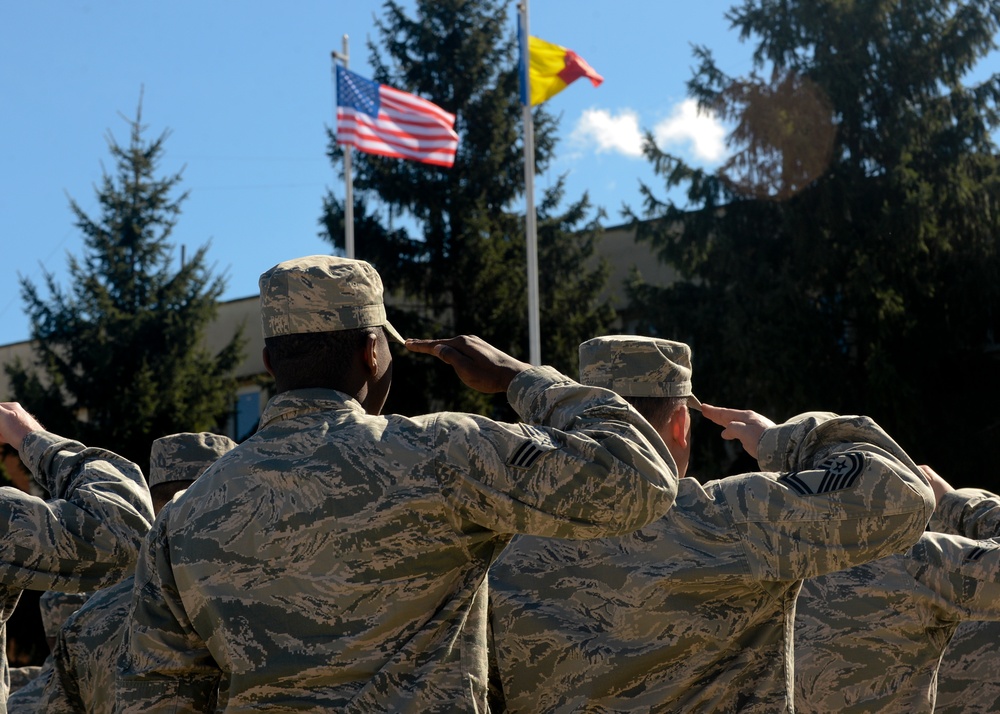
x=687 y=128
x=688 y=125
x=609 y=133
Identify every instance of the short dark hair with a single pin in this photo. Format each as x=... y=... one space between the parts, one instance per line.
x=657 y=410
x=316 y=359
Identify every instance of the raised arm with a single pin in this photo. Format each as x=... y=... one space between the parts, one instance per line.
x=87 y=533
x=835 y=491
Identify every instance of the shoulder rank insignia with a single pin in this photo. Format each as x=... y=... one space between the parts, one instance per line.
x=833 y=474
x=526 y=455
x=979 y=551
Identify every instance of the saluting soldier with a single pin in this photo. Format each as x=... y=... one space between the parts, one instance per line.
x=870 y=639
x=85 y=649
x=84 y=536
x=694 y=611
x=337 y=559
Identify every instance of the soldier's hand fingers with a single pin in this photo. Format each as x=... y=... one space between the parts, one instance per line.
x=749 y=435
x=733 y=430
x=722 y=416
x=449 y=355
x=423 y=346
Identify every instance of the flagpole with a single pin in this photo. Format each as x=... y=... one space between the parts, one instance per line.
x=348 y=178
x=530 y=224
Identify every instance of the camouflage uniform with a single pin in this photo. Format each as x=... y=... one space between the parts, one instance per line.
x=22 y=676
x=337 y=560
x=55 y=609
x=85 y=537
x=969 y=512
x=968 y=680
x=85 y=654
x=694 y=611
x=871 y=638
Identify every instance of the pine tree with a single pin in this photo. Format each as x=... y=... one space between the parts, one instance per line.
x=459 y=256
x=120 y=360
x=847 y=257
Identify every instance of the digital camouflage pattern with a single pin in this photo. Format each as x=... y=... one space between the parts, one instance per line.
x=968 y=679
x=85 y=654
x=693 y=613
x=185 y=456
x=55 y=608
x=322 y=293
x=635 y=366
x=969 y=512
x=28 y=698
x=84 y=537
x=870 y=639
x=337 y=561
x=20 y=676
x=969 y=675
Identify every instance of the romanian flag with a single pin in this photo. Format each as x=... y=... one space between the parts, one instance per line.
x=548 y=69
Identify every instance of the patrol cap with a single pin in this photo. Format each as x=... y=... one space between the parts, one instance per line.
x=635 y=366
x=322 y=293
x=185 y=456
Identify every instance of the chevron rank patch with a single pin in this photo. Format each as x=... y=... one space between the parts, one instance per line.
x=525 y=455
x=834 y=474
x=979 y=551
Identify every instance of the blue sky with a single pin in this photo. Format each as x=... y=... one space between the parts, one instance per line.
x=246 y=90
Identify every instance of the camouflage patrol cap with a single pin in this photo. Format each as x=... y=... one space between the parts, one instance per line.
x=55 y=608
x=636 y=366
x=322 y=293
x=185 y=456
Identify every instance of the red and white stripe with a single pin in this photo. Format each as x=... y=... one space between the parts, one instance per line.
x=407 y=127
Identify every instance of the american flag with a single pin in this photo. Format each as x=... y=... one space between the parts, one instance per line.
x=378 y=119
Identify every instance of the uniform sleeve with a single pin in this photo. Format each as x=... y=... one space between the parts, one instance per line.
x=969 y=512
x=164 y=665
x=583 y=464
x=60 y=695
x=964 y=573
x=87 y=534
x=840 y=493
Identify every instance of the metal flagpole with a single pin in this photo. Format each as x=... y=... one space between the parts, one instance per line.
x=348 y=179
x=534 y=337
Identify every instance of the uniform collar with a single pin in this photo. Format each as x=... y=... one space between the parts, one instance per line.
x=297 y=402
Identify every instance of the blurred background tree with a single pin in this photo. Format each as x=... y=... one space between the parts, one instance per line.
x=120 y=360
x=846 y=257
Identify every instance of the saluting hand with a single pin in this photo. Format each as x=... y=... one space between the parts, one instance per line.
x=743 y=424
x=15 y=424
x=477 y=363
x=938 y=484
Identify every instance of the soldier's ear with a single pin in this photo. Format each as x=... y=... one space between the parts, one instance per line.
x=265 y=355
x=680 y=426
x=371 y=355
